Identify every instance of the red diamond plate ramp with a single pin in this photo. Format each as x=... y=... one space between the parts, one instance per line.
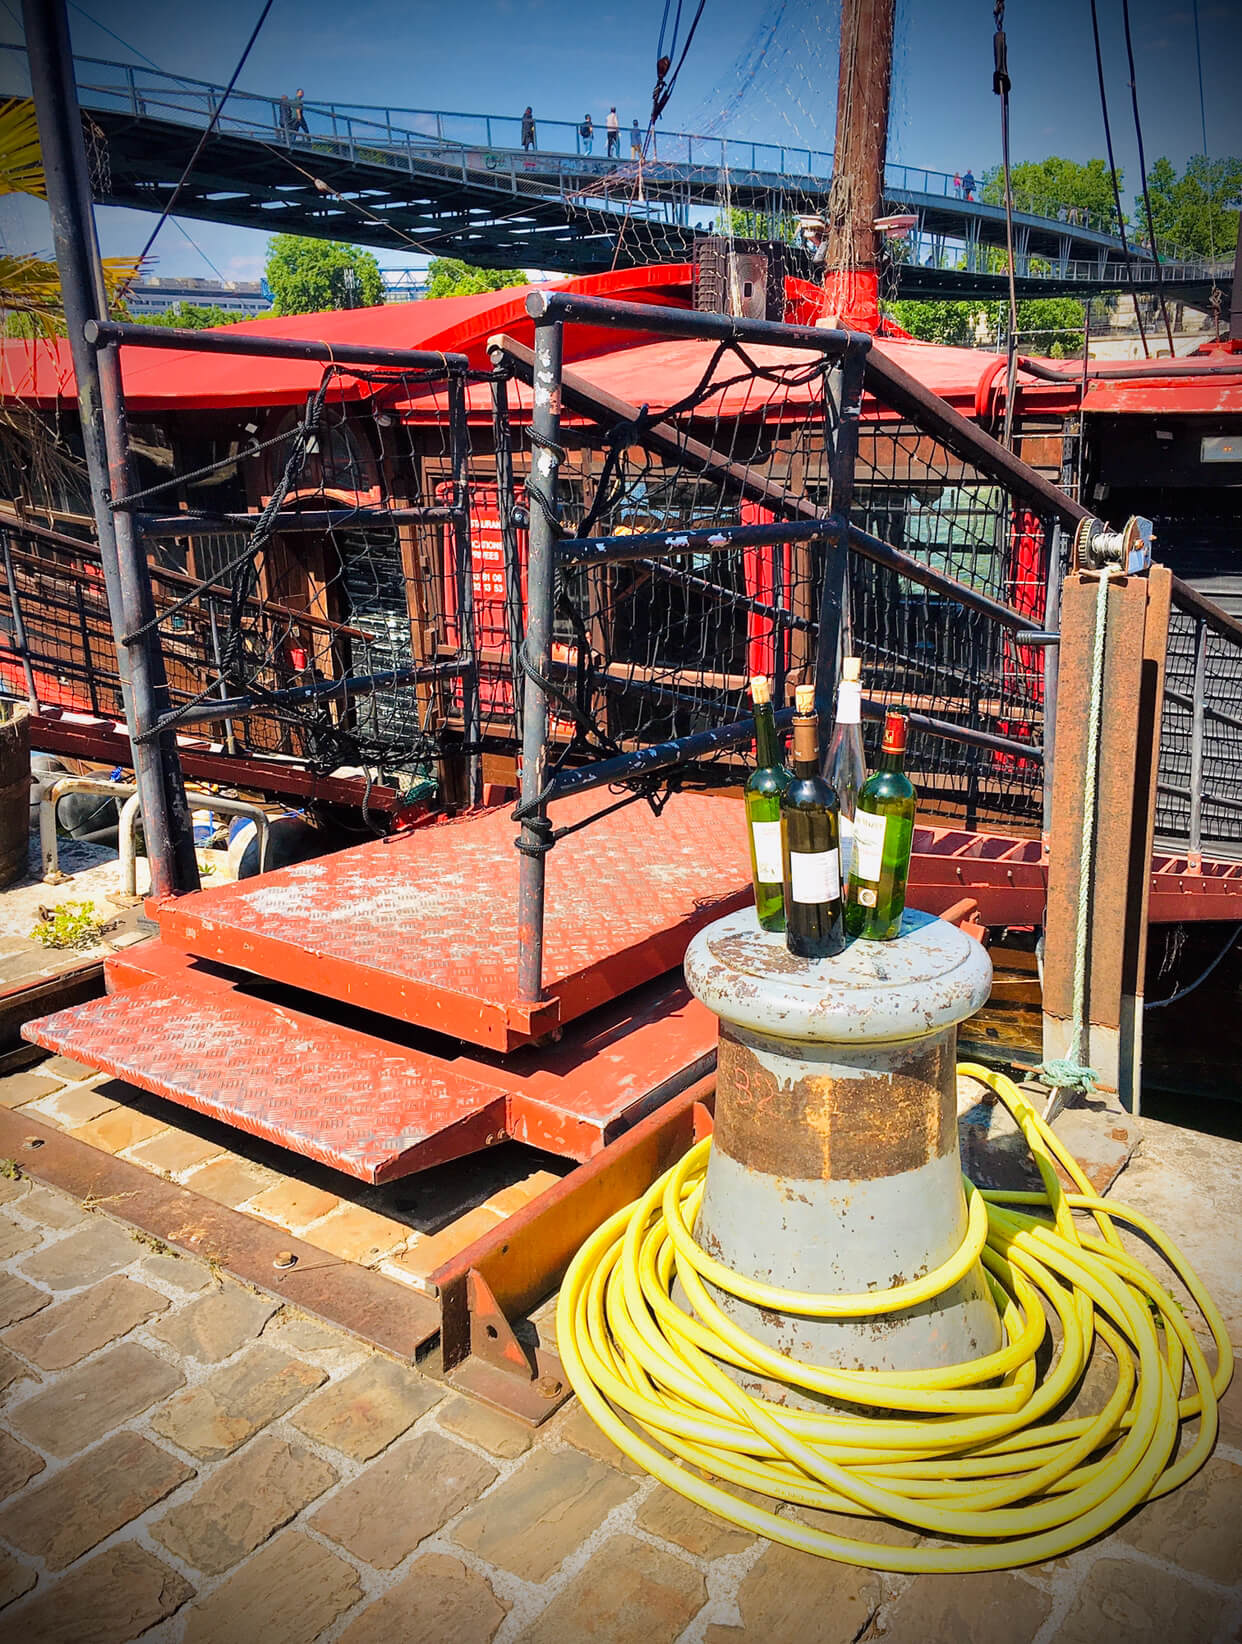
x=358 y=1101
x=423 y=926
x=371 y=1109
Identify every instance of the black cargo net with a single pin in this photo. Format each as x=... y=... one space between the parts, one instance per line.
x=663 y=646
x=285 y=556
x=1208 y=696
x=922 y=649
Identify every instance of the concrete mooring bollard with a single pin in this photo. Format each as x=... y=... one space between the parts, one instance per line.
x=835 y=1164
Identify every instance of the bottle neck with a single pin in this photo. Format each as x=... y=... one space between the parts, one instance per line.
x=891 y=762
x=806 y=746
x=767 y=746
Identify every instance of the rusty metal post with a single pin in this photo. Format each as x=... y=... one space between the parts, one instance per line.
x=545 y=432
x=463 y=558
x=835 y=1164
x=1132 y=689
x=131 y=607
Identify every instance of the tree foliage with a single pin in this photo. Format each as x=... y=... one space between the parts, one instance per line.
x=189 y=317
x=449 y=277
x=1048 y=187
x=952 y=323
x=307 y=276
x=1196 y=213
x=1046 y=325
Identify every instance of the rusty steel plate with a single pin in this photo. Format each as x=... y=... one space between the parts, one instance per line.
x=372 y=1109
x=423 y=926
x=361 y=1103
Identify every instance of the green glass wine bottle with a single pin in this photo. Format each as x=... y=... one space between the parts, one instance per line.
x=764 y=787
x=811 y=845
x=883 y=838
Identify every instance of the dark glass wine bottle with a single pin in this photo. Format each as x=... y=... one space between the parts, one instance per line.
x=883 y=837
x=811 y=845
x=764 y=787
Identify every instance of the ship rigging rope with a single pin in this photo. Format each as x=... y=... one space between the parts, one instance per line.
x=972 y=1451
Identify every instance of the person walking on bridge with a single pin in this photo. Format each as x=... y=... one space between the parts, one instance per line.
x=299 y=112
x=587 y=132
x=614 y=133
x=528 y=128
x=969 y=185
x=636 y=141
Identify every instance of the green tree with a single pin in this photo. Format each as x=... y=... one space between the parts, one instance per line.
x=952 y=323
x=449 y=277
x=1047 y=187
x=189 y=317
x=1051 y=325
x=1195 y=214
x=307 y=276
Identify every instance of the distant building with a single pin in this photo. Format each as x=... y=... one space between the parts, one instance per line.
x=155 y=295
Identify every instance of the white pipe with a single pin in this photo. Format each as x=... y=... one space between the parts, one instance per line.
x=51 y=791
x=208 y=801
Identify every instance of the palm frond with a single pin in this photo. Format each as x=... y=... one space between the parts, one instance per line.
x=21 y=158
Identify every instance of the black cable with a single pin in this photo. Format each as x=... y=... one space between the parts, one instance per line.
x=211 y=126
x=1175 y=998
x=1112 y=172
x=1138 y=133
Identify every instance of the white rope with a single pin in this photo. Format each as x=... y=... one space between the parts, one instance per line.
x=1070 y=1073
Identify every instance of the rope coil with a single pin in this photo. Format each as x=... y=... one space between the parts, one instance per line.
x=964 y=1454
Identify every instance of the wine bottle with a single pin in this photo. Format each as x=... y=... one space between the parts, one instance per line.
x=883 y=837
x=810 y=845
x=845 y=764
x=764 y=787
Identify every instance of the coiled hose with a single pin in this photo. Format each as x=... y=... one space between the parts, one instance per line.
x=974 y=1452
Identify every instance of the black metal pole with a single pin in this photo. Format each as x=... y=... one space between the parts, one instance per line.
x=849 y=385
x=157 y=770
x=545 y=431
x=1194 y=855
x=19 y=626
x=102 y=330
x=459 y=458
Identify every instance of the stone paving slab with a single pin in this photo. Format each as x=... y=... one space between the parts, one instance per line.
x=282 y=1483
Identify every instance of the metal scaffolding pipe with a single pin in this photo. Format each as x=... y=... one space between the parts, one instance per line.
x=99 y=332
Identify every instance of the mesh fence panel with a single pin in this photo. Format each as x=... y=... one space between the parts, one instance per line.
x=1220 y=713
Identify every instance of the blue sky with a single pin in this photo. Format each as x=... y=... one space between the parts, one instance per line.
x=567 y=56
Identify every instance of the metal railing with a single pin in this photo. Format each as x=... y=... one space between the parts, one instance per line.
x=1002 y=679
x=491 y=144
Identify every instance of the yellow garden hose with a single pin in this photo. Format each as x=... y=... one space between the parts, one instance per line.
x=973 y=1452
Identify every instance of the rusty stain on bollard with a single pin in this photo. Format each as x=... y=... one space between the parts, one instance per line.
x=835 y=1164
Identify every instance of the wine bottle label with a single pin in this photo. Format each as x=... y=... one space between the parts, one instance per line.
x=869 y=831
x=769 y=867
x=814 y=876
x=847 y=845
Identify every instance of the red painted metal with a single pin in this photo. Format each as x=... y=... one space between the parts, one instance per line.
x=373 y=1109
x=104 y=741
x=423 y=928
x=366 y=1104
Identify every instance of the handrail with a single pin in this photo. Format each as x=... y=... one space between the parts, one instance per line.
x=460 y=131
x=1193 y=603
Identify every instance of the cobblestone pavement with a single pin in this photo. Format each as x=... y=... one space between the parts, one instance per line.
x=184 y=1459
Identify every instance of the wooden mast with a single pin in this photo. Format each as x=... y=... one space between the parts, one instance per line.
x=852 y=258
